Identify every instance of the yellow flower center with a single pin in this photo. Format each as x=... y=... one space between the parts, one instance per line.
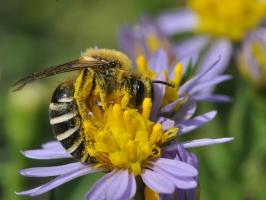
x=259 y=53
x=171 y=93
x=229 y=18
x=126 y=138
x=153 y=43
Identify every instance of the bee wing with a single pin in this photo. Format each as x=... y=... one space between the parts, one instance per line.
x=66 y=67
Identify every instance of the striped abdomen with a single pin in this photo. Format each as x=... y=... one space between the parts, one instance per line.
x=65 y=120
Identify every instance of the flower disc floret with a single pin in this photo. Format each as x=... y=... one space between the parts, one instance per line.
x=127 y=138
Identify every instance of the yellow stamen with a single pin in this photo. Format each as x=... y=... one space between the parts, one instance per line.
x=125 y=139
x=228 y=18
x=142 y=67
x=178 y=74
x=146 y=105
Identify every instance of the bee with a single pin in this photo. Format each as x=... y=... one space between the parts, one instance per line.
x=104 y=76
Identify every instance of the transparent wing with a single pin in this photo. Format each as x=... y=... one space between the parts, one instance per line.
x=66 y=67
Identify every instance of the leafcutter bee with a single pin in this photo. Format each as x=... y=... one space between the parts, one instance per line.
x=104 y=76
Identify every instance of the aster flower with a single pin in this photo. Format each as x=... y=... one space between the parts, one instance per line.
x=145 y=39
x=179 y=103
x=252 y=58
x=129 y=145
x=218 y=25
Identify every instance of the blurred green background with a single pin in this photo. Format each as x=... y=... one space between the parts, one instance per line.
x=36 y=34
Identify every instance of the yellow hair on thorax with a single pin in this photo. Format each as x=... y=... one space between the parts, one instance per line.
x=109 y=55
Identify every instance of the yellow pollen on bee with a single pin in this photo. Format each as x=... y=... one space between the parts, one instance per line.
x=227 y=18
x=126 y=138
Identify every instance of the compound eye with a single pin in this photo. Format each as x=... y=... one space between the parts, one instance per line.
x=138 y=91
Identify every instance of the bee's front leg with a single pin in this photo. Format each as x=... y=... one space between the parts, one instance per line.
x=125 y=101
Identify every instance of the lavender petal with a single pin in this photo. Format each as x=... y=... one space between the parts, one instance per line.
x=175 y=167
x=98 y=190
x=221 y=48
x=185 y=111
x=166 y=123
x=213 y=98
x=205 y=142
x=53 y=145
x=118 y=185
x=189 y=50
x=44 y=154
x=51 y=171
x=132 y=188
x=209 y=83
x=57 y=182
x=159 y=61
x=178 y=21
x=159 y=91
x=182 y=183
x=185 y=88
x=196 y=122
x=157 y=182
x=170 y=107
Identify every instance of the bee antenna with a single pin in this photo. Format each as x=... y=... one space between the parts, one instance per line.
x=164 y=83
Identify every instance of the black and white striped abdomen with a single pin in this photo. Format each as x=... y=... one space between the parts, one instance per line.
x=65 y=120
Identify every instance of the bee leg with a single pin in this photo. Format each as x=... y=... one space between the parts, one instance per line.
x=103 y=99
x=83 y=86
x=125 y=100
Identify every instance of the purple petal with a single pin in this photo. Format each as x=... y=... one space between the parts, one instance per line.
x=127 y=40
x=182 y=183
x=221 y=48
x=196 y=122
x=159 y=91
x=166 y=123
x=98 y=190
x=177 y=21
x=170 y=107
x=190 y=194
x=205 y=142
x=188 y=46
x=51 y=171
x=53 y=145
x=44 y=154
x=189 y=50
x=57 y=181
x=132 y=187
x=157 y=182
x=186 y=156
x=159 y=61
x=209 y=83
x=118 y=185
x=175 y=167
x=214 y=98
x=185 y=111
x=185 y=88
